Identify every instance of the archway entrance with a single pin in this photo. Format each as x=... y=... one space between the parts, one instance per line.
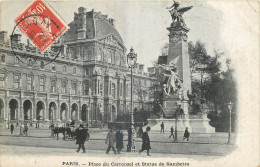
x=113 y=113
x=74 y=112
x=13 y=105
x=52 y=111
x=63 y=111
x=1 y=109
x=84 y=113
x=27 y=108
x=39 y=110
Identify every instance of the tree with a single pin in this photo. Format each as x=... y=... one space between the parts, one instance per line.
x=156 y=91
x=199 y=58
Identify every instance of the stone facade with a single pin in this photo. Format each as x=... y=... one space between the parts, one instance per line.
x=88 y=82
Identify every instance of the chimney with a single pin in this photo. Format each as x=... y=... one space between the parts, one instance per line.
x=82 y=10
x=111 y=21
x=16 y=38
x=3 y=36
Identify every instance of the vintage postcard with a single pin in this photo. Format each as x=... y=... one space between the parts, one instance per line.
x=129 y=83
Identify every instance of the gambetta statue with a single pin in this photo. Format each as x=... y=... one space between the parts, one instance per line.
x=177 y=12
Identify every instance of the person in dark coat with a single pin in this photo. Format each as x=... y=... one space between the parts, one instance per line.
x=186 y=134
x=172 y=135
x=111 y=139
x=162 y=127
x=119 y=141
x=12 y=128
x=26 y=129
x=81 y=135
x=146 y=141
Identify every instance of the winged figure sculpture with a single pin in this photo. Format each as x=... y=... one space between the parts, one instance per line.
x=177 y=12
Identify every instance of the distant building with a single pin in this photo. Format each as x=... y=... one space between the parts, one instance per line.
x=88 y=82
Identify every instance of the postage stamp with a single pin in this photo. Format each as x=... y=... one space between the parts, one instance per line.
x=41 y=24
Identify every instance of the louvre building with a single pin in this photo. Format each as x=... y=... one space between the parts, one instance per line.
x=88 y=82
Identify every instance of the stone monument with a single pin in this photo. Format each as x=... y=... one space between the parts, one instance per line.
x=178 y=78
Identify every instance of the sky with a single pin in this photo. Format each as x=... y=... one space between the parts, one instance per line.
x=142 y=24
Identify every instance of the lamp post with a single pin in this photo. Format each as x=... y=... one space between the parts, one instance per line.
x=131 y=61
x=230 y=105
x=8 y=120
x=177 y=109
x=52 y=111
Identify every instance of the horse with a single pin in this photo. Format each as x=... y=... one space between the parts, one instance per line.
x=62 y=130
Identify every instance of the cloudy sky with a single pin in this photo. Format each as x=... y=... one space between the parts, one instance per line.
x=142 y=24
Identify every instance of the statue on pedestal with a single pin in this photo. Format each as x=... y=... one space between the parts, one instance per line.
x=177 y=12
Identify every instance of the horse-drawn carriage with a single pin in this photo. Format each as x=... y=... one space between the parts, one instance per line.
x=68 y=131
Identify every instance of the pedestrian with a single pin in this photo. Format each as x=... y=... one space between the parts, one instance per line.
x=110 y=140
x=146 y=141
x=172 y=135
x=119 y=141
x=52 y=130
x=162 y=127
x=12 y=128
x=186 y=134
x=26 y=129
x=81 y=135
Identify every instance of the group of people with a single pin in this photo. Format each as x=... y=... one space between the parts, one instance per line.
x=185 y=136
x=24 y=130
x=113 y=138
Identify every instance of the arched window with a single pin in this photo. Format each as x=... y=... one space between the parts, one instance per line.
x=42 y=65
x=113 y=90
x=64 y=69
x=17 y=60
x=30 y=63
x=86 y=71
x=121 y=89
x=86 y=88
x=3 y=58
x=53 y=67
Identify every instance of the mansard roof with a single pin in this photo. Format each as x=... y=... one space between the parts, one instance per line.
x=94 y=23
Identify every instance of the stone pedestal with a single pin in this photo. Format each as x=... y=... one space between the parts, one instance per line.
x=194 y=125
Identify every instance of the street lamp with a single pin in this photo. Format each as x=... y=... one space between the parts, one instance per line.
x=52 y=112
x=8 y=119
x=177 y=110
x=131 y=61
x=230 y=105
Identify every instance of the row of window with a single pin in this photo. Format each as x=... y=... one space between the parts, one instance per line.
x=30 y=63
x=97 y=86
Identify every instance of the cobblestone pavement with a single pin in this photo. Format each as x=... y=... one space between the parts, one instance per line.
x=199 y=144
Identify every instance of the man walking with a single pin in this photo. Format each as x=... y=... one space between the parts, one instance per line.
x=162 y=127
x=146 y=141
x=186 y=134
x=172 y=135
x=119 y=141
x=26 y=129
x=111 y=139
x=12 y=128
x=81 y=135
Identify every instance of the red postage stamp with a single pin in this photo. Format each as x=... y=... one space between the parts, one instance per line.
x=41 y=24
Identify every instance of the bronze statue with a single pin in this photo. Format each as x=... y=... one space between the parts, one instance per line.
x=177 y=12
